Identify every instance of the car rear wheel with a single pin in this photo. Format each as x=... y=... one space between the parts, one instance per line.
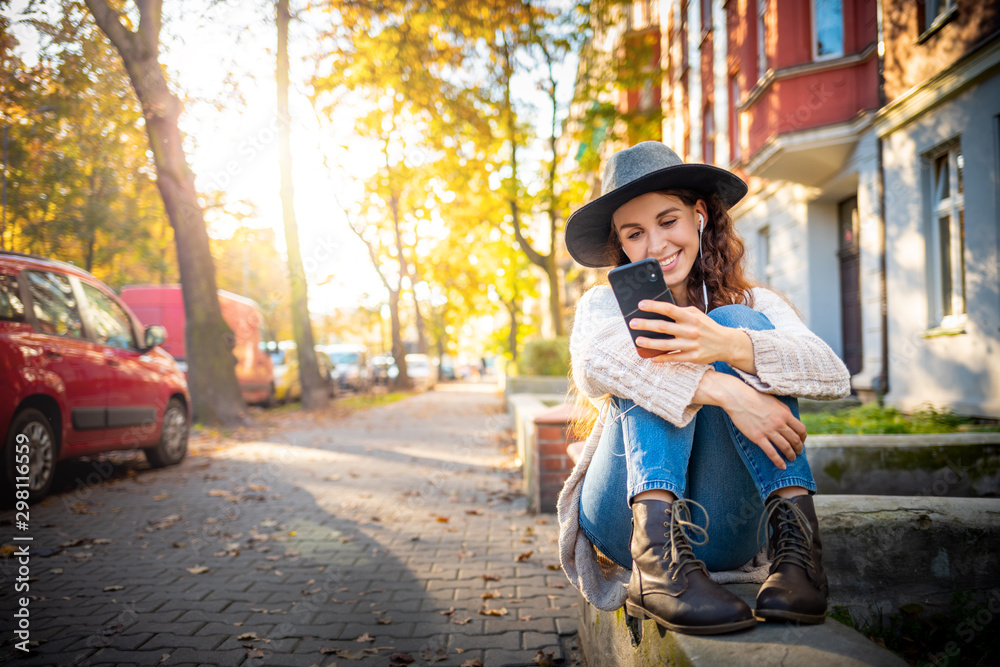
x=174 y=438
x=30 y=427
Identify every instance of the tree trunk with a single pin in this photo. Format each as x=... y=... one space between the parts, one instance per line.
x=402 y=380
x=314 y=393
x=512 y=334
x=398 y=349
x=215 y=393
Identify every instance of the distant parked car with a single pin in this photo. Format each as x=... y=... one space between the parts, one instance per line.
x=351 y=366
x=79 y=375
x=383 y=370
x=421 y=371
x=287 y=386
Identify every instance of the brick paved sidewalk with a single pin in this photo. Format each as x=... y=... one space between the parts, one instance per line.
x=395 y=535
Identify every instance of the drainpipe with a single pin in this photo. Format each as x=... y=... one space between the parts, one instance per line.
x=882 y=387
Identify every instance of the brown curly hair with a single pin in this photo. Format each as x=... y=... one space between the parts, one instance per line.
x=721 y=267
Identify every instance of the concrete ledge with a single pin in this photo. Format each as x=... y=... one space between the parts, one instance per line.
x=882 y=552
x=606 y=640
x=947 y=464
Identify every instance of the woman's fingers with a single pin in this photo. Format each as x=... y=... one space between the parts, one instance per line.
x=792 y=438
x=768 y=449
x=661 y=326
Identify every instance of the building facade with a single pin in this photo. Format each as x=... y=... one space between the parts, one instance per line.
x=939 y=132
x=869 y=133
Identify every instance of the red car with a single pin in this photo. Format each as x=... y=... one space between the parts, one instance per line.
x=79 y=375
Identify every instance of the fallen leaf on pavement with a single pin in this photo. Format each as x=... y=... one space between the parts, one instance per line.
x=502 y=611
x=255 y=653
x=491 y=577
x=434 y=655
x=472 y=663
x=488 y=595
x=115 y=587
x=384 y=620
x=443 y=519
x=543 y=659
x=365 y=638
x=557 y=566
x=525 y=556
x=162 y=496
x=461 y=621
x=448 y=612
x=247 y=636
x=199 y=569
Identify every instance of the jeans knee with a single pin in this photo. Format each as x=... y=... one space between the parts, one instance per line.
x=738 y=315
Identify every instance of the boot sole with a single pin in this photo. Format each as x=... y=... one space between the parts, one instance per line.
x=782 y=616
x=641 y=613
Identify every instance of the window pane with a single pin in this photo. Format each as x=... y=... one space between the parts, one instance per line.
x=55 y=304
x=111 y=325
x=829 y=27
x=942 y=185
x=11 y=308
x=960 y=167
x=944 y=237
x=961 y=256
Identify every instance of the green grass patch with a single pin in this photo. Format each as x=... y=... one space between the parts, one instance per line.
x=363 y=401
x=873 y=418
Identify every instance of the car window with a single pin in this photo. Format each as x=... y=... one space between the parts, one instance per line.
x=54 y=304
x=11 y=308
x=111 y=324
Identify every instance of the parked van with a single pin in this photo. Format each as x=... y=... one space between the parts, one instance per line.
x=164 y=305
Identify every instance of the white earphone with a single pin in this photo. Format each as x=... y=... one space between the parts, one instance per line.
x=704 y=288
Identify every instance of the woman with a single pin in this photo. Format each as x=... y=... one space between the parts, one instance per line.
x=707 y=428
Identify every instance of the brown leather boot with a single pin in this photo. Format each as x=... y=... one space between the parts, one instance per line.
x=670 y=585
x=796 y=588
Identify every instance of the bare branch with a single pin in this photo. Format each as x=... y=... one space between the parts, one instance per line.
x=111 y=25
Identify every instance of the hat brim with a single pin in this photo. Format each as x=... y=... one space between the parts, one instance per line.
x=589 y=227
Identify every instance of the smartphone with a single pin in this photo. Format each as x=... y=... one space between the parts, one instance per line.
x=633 y=283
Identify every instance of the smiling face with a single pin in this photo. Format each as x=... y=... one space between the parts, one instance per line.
x=663 y=227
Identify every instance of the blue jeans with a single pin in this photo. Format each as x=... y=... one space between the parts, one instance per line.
x=708 y=461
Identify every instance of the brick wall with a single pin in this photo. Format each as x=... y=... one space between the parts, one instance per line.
x=550 y=460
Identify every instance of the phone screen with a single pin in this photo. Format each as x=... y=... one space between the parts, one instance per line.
x=633 y=283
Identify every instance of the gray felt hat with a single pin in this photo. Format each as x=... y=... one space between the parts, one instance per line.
x=645 y=167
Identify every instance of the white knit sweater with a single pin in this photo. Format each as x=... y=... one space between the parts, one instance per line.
x=790 y=359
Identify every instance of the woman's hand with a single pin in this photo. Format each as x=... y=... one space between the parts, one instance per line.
x=762 y=418
x=697 y=337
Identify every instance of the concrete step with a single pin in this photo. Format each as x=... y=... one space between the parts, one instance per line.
x=880 y=553
x=607 y=641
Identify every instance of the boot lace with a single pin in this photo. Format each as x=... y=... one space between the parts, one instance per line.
x=793 y=542
x=682 y=527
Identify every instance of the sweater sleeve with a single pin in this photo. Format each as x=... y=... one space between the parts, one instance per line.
x=605 y=361
x=791 y=360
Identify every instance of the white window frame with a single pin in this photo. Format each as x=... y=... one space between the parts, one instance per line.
x=764 y=254
x=815 y=35
x=761 y=38
x=947 y=310
x=941 y=9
